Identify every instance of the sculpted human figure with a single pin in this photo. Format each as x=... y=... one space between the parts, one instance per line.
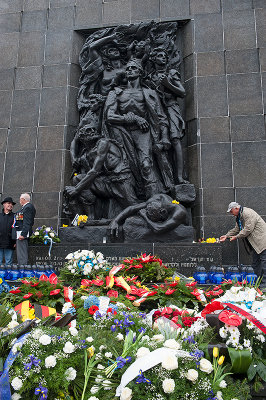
x=104 y=174
x=101 y=61
x=137 y=121
x=169 y=87
x=159 y=212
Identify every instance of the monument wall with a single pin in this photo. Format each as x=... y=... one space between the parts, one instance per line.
x=223 y=46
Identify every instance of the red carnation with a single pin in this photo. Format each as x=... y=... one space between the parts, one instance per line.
x=112 y=293
x=170 y=291
x=230 y=318
x=55 y=292
x=27 y=296
x=92 y=310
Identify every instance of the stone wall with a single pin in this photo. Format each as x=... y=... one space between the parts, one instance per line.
x=224 y=51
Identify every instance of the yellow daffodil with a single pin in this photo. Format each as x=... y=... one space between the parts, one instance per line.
x=1 y=280
x=221 y=360
x=215 y=352
x=64 y=226
x=211 y=240
x=177 y=278
x=175 y=202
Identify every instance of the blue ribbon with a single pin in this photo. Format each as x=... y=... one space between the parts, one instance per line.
x=5 y=393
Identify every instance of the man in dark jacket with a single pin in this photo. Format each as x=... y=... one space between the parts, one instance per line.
x=6 y=222
x=24 y=223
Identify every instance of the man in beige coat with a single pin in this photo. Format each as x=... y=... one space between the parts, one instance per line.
x=249 y=226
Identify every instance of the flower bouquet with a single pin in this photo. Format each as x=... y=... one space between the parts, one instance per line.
x=47 y=364
x=40 y=234
x=44 y=291
x=81 y=264
x=148 y=268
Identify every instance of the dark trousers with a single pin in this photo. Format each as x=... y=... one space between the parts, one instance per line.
x=259 y=265
x=22 y=251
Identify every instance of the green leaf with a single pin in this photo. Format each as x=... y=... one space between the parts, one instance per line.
x=251 y=372
x=261 y=369
x=240 y=360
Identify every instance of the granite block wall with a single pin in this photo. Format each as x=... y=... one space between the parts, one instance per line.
x=224 y=68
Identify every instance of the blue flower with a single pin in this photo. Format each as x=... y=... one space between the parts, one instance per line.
x=91 y=301
x=42 y=391
x=141 y=378
x=33 y=361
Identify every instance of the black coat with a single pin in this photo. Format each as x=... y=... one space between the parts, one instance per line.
x=25 y=219
x=6 y=222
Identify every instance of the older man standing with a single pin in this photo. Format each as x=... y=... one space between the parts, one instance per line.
x=6 y=222
x=251 y=227
x=24 y=223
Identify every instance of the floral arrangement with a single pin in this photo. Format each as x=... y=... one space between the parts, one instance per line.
x=148 y=268
x=40 y=235
x=83 y=263
x=47 y=363
x=166 y=340
x=209 y=240
x=45 y=291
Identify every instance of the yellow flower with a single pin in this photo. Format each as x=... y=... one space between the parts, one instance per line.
x=90 y=350
x=191 y=278
x=64 y=226
x=211 y=240
x=221 y=360
x=75 y=174
x=1 y=280
x=215 y=352
x=138 y=284
x=177 y=278
x=82 y=218
x=175 y=202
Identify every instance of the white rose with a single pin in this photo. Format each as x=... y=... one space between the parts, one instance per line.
x=70 y=374
x=223 y=384
x=73 y=331
x=89 y=339
x=16 y=383
x=142 y=351
x=36 y=233
x=50 y=362
x=51 y=234
x=206 y=366
x=119 y=337
x=69 y=348
x=172 y=344
x=45 y=340
x=158 y=338
x=170 y=362
x=192 y=375
x=126 y=394
x=168 y=385
x=15 y=396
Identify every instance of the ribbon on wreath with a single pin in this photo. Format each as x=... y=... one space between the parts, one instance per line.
x=250 y=317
